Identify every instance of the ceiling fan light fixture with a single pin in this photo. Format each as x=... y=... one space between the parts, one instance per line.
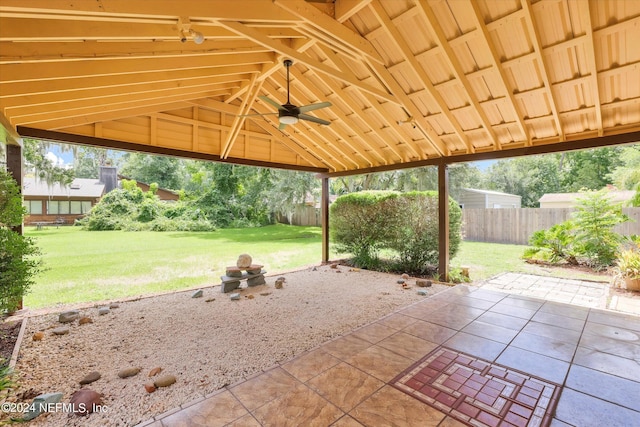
x=288 y=120
x=198 y=37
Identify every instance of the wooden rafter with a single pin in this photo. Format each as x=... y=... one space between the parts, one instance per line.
x=591 y=61
x=544 y=67
x=330 y=32
x=417 y=68
x=495 y=62
x=239 y=119
x=454 y=63
x=282 y=49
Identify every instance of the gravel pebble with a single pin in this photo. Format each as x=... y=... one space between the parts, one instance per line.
x=226 y=342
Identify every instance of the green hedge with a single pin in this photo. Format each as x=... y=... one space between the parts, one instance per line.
x=403 y=224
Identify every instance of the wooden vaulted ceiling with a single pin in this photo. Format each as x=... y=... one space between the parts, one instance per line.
x=411 y=81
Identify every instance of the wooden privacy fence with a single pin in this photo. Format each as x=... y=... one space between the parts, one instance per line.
x=515 y=226
x=303 y=215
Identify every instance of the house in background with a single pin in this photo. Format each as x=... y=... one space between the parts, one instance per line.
x=471 y=198
x=568 y=200
x=60 y=204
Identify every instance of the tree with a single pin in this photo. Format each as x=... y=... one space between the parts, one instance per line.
x=289 y=189
x=167 y=172
x=590 y=169
x=87 y=161
x=35 y=157
x=627 y=175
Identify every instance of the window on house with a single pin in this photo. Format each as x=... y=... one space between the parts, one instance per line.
x=76 y=207
x=33 y=207
x=86 y=207
x=65 y=207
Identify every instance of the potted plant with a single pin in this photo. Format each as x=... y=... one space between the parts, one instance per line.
x=628 y=267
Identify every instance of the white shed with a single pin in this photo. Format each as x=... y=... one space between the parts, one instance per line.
x=568 y=200
x=471 y=198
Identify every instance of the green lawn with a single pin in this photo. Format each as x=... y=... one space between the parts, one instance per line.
x=84 y=266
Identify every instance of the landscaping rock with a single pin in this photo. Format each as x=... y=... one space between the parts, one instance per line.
x=265 y=294
x=279 y=284
x=68 y=316
x=250 y=296
x=233 y=272
x=255 y=269
x=103 y=310
x=209 y=300
x=114 y=305
x=62 y=330
x=334 y=265
x=244 y=261
x=155 y=371
x=400 y=281
x=40 y=403
x=85 y=320
x=164 y=381
x=256 y=281
x=423 y=283
x=150 y=387
x=129 y=372
x=423 y=292
x=90 y=377
x=197 y=294
x=38 y=336
x=234 y=297
x=84 y=402
x=405 y=276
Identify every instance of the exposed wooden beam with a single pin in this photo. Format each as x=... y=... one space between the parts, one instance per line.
x=239 y=120
x=324 y=209
x=544 y=67
x=427 y=14
x=332 y=32
x=495 y=62
x=417 y=68
x=345 y=9
x=69 y=138
x=282 y=49
x=583 y=6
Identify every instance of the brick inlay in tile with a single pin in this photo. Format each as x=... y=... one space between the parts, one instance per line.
x=477 y=392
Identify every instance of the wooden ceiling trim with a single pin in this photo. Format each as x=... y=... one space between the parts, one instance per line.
x=306 y=60
x=335 y=33
x=544 y=72
x=417 y=68
x=427 y=14
x=364 y=148
x=345 y=9
x=496 y=65
x=591 y=60
x=329 y=157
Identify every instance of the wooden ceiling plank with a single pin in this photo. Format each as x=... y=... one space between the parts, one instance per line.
x=427 y=14
x=238 y=121
x=417 y=68
x=345 y=9
x=238 y=10
x=309 y=62
x=59 y=70
x=351 y=142
x=338 y=33
x=267 y=70
x=338 y=62
x=105 y=93
x=88 y=115
x=544 y=67
x=35 y=87
x=585 y=14
x=495 y=62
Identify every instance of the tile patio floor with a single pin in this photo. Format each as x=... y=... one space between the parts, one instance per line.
x=515 y=344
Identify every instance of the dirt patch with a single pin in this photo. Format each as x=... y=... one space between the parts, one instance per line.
x=8 y=336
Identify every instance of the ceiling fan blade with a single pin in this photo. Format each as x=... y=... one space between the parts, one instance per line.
x=282 y=126
x=252 y=115
x=313 y=119
x=271 y=101
x=312 y=107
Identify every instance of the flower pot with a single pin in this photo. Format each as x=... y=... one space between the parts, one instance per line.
x=632 y=284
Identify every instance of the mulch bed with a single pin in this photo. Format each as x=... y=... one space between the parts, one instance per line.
x=8 y=336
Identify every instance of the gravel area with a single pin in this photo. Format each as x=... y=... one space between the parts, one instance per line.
x=206 y=344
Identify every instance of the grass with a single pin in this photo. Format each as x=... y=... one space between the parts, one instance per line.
x=84 y=266
x=98 y=265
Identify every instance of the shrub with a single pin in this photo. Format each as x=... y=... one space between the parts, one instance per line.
x=363 y=223
x=19 y=256
x=406 y=224
x=554 y=244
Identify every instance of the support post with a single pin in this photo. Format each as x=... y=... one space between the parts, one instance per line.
x=14 y=167
x=324 y=207
x=443 y=221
